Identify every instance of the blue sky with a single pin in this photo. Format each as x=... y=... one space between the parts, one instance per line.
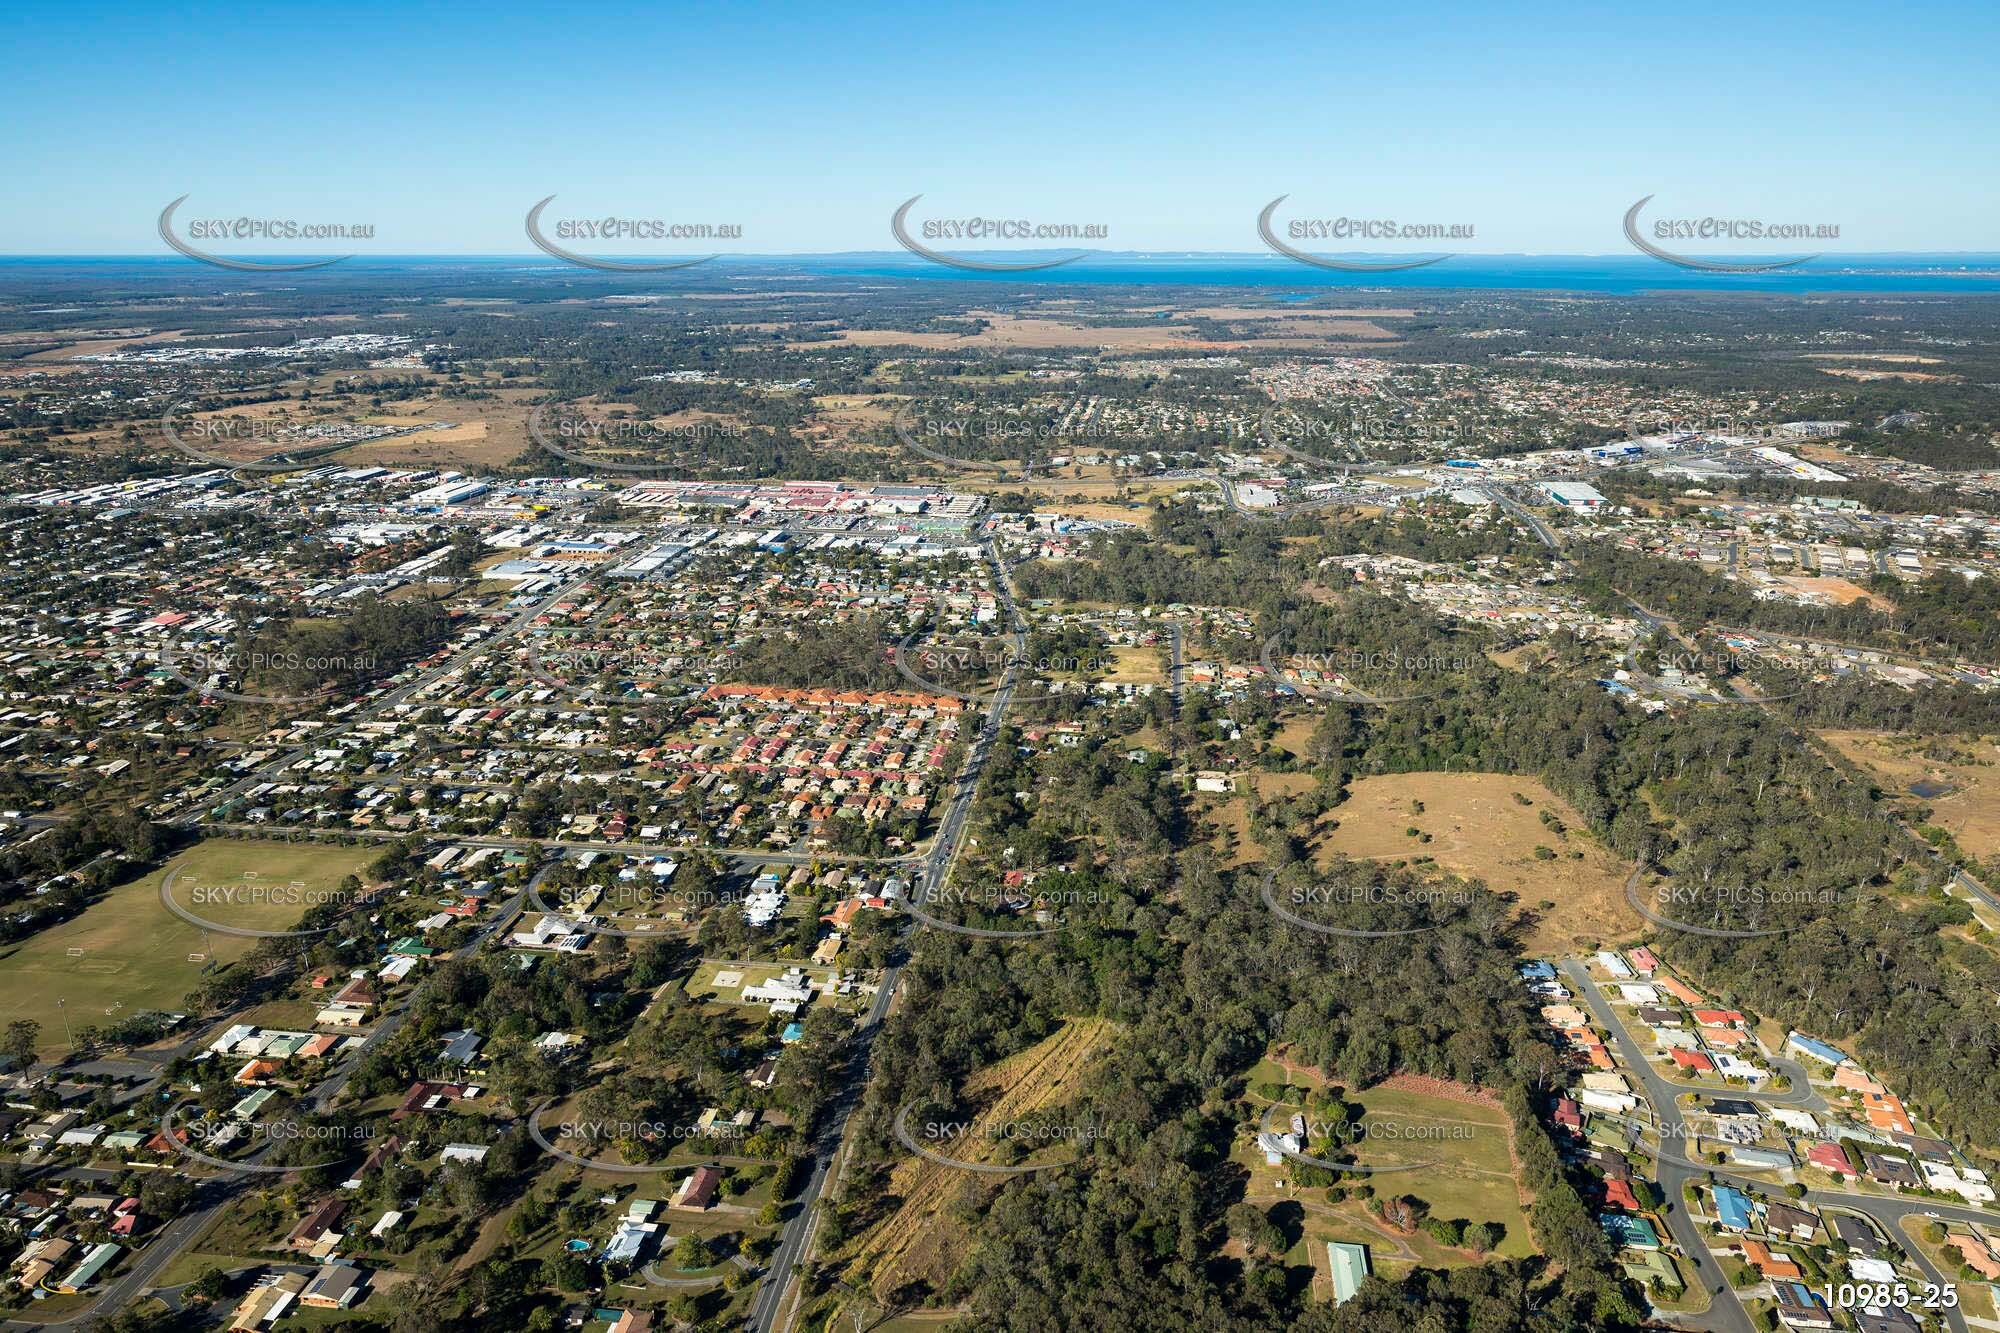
x=1171 y=125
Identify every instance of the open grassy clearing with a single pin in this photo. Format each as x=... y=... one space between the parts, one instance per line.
x=1138 y=666
x=1479 y=830
x=1459 y=1149
x=127 y=953
x=1956 y=777
x=719 y=982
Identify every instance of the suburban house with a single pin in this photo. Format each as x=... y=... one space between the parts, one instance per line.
x=1799 y=1306
x=267 y=1302
x=335 y=1287
x=699 y=1189
x=317 y=1226
x=1783 y=1219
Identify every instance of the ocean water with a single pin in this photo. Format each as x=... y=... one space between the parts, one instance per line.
x=1620 y=274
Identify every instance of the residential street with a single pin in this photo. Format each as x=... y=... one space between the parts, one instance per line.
x=1676 y=1169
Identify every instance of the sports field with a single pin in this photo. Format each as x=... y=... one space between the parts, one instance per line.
x=127 y=953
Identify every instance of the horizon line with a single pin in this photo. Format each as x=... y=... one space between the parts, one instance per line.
x=902 y=257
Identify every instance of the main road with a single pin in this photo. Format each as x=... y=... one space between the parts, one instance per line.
x=795 y=1239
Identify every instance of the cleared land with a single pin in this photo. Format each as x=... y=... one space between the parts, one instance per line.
x=1954 y=776
x=923 y=1240
x=127 y=953
x=1841 y=592
x=720 y=982
x=1479 y=830
x=485 y=433
x=1146 y=335
x=1458 y=1140
x=1138 y=665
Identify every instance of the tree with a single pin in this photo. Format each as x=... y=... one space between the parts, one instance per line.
x=1446 y=1231
x=565 y=1272
x=422 y=1301
x=209 y=1285
x=1256 y=1228
x=465 y=553
x=692 y=1253
x=19 y=1043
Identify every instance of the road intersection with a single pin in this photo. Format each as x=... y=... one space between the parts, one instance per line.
x=1675 y=1170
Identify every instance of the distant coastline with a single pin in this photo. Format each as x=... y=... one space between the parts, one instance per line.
x=1611 y=274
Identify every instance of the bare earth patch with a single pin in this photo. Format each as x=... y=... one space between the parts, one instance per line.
x=1150 y=336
